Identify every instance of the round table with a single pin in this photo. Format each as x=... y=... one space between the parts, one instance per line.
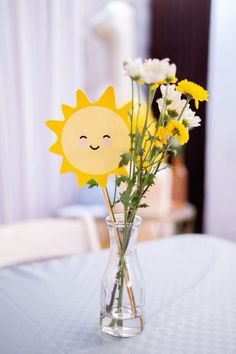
x=52 y=307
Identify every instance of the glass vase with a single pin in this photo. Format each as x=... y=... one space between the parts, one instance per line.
x=122 y=287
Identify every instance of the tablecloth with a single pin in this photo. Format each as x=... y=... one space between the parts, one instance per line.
x=52 y=307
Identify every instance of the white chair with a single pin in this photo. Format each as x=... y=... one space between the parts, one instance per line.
x=46 y=238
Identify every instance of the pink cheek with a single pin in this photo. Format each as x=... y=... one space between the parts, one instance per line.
x=83 y=143
x=106 y=143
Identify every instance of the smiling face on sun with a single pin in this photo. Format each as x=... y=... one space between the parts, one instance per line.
x=92 y=138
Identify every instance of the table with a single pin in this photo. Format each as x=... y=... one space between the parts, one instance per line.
x=52 y=307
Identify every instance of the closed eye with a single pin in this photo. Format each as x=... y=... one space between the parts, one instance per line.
x=106 y=136
x=83 y=137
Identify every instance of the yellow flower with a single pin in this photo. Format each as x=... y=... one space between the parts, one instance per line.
x=157 y=84
x=145 y=164
x=193 y=90
x=141 y=117
x=177 y=130
x=172 y=80
x=161 y=137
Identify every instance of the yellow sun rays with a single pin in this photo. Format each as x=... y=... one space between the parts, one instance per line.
x=107 y=102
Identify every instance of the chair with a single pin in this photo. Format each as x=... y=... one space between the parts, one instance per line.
x=47 y=238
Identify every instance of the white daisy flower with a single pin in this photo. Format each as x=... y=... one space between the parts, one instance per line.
x=133 y=68
x=174 y=102
x=189 y=119
x=155 y=70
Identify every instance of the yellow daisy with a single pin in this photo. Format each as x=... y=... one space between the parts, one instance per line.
x=161 y=134
x=145 y=164
x=161 y=137
x=193 y=90
x=177 y=130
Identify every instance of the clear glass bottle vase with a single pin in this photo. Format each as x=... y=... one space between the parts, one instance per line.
x=122 y=287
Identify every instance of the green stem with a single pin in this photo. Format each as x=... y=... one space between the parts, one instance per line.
x=138 y=90
x=150 y=97
x=162 y=115
x=136 y=129
x=163 y=111
x=121 y=286
x=185 y=106
x=110 y=204
x=131 y=133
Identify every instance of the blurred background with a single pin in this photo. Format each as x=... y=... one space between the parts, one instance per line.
x=50 y=48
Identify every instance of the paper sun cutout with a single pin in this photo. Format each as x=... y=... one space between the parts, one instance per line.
x=92 y=137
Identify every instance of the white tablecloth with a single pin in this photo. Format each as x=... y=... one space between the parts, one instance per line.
x=52 y=307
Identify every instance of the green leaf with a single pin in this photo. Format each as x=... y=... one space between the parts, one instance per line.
x=150 y=136
x=132 y=135
x=185 y=122
x=154 y=152
x=125 y=197
x=150 y=179
x=172 y=113
x=144 y=205
x=124 y=159
x=137 y=138
x=168 y=102
x=92 y=183
x=120 y=179
x=141 y=152
x=166 y=118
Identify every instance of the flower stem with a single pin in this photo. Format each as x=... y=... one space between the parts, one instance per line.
x=185 y=106
x=122 y=273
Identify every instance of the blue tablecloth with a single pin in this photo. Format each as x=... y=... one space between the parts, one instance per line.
x=52 y=307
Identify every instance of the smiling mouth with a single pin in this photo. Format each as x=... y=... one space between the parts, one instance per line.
x=94 y=148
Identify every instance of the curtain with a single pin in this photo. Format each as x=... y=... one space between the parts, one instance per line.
x=44 y=59
x=41 y=66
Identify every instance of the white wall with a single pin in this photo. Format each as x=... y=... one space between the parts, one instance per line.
x=220 y=204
